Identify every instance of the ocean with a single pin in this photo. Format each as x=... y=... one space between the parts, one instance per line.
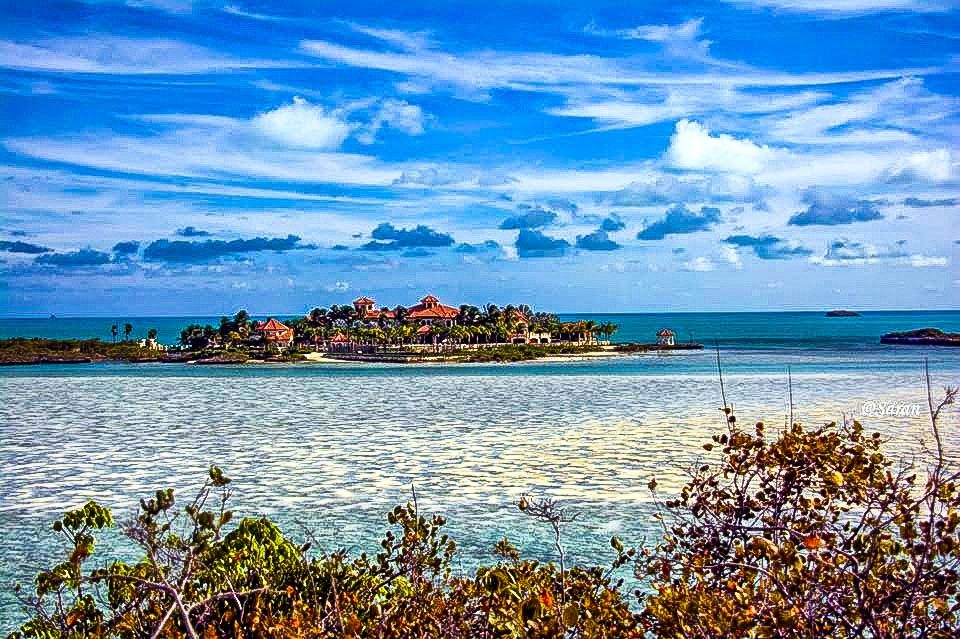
x=328 y=449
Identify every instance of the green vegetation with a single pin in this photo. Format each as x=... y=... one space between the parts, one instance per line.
x=36 y=351
x=524 y=352
x=473 y=325
x=812 y=533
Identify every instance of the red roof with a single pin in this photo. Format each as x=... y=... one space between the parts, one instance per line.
x=423 y=329
x=273 y=325
x=363 y=300
x=431 y=308
x=666 y=333
x=440 y=311
x=274 y=331
x=340 y=338
x=372 y=313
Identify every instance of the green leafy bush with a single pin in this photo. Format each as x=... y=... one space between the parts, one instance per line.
x=813 y=533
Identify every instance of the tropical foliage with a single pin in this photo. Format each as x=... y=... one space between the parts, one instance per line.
x=811 y=533
x=20 y=350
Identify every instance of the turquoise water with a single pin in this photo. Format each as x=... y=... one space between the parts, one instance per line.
x=732 y=330
x=330 y=448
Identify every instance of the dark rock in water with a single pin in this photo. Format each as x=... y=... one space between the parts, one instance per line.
x=922 y=337
x=842 y=313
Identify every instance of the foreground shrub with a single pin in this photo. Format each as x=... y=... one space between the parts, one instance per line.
x=196 y=580
x=810 y=534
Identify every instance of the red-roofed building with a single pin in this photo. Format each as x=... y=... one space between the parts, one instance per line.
x=666 y=337
x=274 y=333
x=366 y=309
x=431 y=311
x=341 y=343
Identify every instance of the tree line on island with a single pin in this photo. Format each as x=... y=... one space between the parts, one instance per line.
x=471 y=325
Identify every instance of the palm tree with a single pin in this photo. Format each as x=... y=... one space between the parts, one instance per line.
x=152 y=334
x=241 y=322
x=608 y=329
x=114 y=331
x=590 y=327
x=127 y=329
x=317 y=316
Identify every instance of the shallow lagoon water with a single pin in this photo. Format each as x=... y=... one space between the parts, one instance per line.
x=327 y=450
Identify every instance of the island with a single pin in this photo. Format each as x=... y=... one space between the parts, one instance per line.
x=922 y=337
x=842 y=313
x=426 y=332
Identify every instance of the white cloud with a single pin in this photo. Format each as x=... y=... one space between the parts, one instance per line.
x=846 y=7
x=692 y=147
x=732 y=256
x=887 y=114
x=844 y=252
x=926 y=166
x=699 y=265
x=404 y=40
x=679 y=40
x=109 y=54
x=302 y=125
x=648 y=106
x=337 y=287
x=396 y=114
x=535 y=71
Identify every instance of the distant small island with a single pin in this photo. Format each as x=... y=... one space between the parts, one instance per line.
x=842 y=313
x=922 y=337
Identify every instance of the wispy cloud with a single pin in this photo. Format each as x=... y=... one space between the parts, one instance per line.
x=119 y=55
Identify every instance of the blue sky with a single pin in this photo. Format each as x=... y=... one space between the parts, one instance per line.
x=178 y=157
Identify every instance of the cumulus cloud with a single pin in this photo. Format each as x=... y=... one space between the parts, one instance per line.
x=126 y=248
x=535 y=244
x=844 y=252
x=191 y=231
x=596 y=241
x=679 y=220
x=83 y=257
x=825 y=209
x=667 y=189
x=612 y=223
x=302 y=125
x=393 y=238
x=488 y=245
x=396 y=114
x=183 y=251
x=533 y=219
x=923 y=166
x=699 y=265
x=919 y=203
x=768 y=247
x=23 y=247
x=692 y=147
x=449 y=176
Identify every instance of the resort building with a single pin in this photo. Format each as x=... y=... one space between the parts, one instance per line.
x=274 y=333
x=521 y=330
x=666 y=337
x=431 y=311
x=366 y=309
x=340 y=343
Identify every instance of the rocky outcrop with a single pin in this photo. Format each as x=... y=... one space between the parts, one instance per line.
x=922 y=337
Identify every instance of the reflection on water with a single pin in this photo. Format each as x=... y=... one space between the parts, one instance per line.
x=333 y=452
